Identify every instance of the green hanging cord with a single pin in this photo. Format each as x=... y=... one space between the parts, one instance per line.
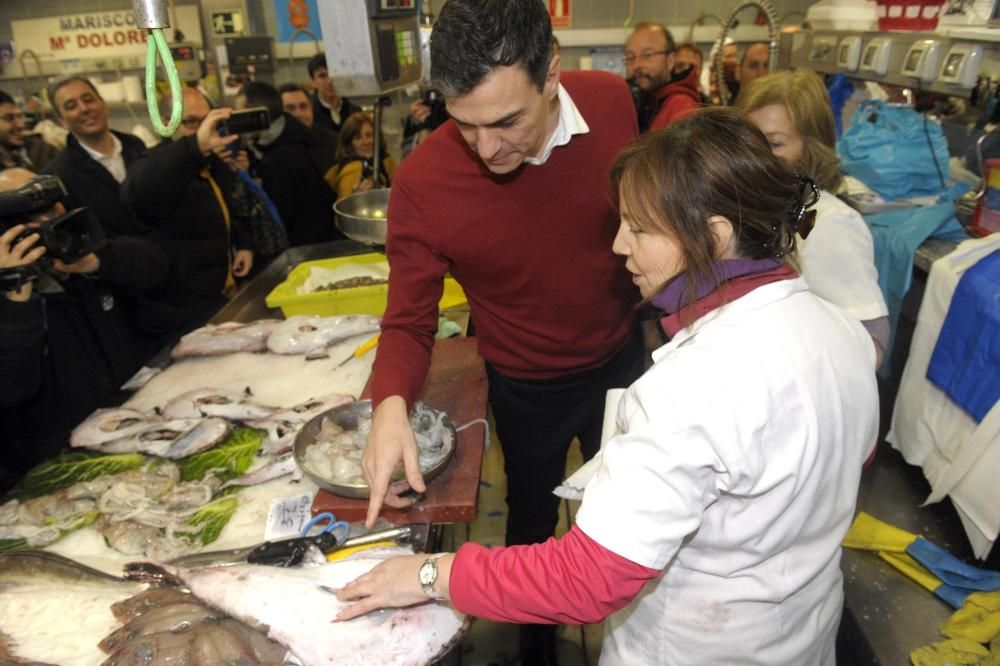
x=158 y=43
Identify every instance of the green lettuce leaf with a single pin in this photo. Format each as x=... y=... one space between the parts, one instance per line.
x=228 y=460
x=74 y=467
x=209 y=520
x=7 y=545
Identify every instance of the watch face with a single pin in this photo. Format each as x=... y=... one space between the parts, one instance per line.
x=428 y=573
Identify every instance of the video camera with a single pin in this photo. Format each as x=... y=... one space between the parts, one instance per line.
x=67 y=237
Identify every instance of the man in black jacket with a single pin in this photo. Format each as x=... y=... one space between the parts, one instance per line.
x=330 y=110
x=96 y=159
x=295 y=102
x=290 y=171
x=180 y=193
x=65 y=346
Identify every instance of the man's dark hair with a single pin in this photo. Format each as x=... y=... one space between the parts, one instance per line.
x=292 y=87
x=259 y=93
x=5 y=98
x=318 y=61
x=473 y=37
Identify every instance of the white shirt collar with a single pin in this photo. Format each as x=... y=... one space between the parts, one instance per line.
x=570 y=123
x=114 y=162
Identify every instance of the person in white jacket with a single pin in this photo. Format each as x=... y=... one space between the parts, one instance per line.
x=711 y=531
x=838 y=257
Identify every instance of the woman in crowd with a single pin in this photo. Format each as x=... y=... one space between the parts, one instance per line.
x=354 y=170
x=838 y=256
x=710 y=532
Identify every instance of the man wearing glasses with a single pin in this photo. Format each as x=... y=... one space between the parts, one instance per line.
x=649 y=65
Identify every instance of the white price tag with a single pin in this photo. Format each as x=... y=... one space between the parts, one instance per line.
x=287 y=516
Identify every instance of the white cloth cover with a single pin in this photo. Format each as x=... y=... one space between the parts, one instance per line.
x=959 y=457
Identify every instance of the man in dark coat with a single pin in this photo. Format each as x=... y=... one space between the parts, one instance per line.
x=181 y=194
x=65 y=346
x=291 y=174
x=329 y=109
x=295 y=102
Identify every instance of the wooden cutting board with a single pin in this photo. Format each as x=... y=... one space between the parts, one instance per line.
x=456 y=384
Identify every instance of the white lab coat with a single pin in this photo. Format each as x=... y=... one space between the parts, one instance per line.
x=838 y=260
x=737 y=475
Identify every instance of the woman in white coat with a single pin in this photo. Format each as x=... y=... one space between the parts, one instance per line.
x=838 y=257
x=711 y=532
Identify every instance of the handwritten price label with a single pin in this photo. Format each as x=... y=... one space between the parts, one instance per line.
x=287 y=516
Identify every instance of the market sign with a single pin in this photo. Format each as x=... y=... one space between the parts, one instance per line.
x=94 y=34
x=559 y=13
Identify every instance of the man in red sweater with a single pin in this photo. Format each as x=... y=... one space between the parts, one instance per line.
x=649 y=64
x=512 y=197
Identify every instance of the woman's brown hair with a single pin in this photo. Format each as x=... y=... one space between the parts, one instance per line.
x=349 y=131
x=804 y=96
x=714 y=162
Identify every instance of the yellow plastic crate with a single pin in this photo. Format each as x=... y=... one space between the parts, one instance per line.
x=370 y=299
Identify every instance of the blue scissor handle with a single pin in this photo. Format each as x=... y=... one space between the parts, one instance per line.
x=332 y=524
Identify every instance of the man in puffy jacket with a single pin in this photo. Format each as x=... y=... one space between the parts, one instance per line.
x=649 y=64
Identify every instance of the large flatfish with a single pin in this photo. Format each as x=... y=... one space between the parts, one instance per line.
x=54 y=610
x=296 y=607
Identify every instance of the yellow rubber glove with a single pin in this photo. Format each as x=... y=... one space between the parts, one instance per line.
x=869 y=533
x=978 y=619
x=956 y=652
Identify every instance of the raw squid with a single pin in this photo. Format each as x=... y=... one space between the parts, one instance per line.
x=214 y=402
x=297 y=607
x=311 y=335
x=228 y=338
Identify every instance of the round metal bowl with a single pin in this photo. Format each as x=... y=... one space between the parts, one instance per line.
x=363 y=216
x=347 y=417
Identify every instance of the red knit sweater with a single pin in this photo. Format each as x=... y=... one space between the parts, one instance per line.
x=532 y=250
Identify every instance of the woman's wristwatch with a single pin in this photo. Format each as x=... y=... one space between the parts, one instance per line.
x=428 y=575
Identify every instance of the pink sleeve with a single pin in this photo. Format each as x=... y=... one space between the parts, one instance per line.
x=573 y=580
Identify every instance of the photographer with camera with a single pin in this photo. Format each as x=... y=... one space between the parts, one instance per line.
x=285 y=159
x=180 y=193
x=65 y=346
x=426 y=115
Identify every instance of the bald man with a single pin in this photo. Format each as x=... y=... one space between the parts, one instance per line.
x=649 y=65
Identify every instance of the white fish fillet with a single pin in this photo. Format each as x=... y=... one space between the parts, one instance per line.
x=299 y=613
x=105 y=425
x=214 y=340
x=309 y=334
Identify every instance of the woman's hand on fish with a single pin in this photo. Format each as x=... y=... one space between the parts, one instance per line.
x=394 y=583
x=391 y=439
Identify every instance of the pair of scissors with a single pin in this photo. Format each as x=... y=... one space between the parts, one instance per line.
x=331 y=527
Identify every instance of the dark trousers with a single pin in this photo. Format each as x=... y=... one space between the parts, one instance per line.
x=537 y=420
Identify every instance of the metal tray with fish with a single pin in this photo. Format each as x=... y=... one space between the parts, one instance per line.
x=328 y=448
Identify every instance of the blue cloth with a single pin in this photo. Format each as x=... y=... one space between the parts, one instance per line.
x=840 y=89
x=893 y=150
x=958 y=579
x=896 y=236
x=966 y=359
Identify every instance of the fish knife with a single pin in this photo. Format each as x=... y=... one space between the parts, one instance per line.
x=286 y=552
x=361 y=349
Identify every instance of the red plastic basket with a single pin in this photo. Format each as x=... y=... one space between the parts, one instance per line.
x=908 y=14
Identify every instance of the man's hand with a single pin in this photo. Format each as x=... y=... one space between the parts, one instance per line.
x=87 y=264
x=20 y=253
x=419 y=111
x=242 y=262
x=390 y=440
x=394 y=583
x=208 y=132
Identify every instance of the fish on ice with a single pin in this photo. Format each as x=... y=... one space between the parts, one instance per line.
x=296 y=607
x=215 y=402
x=311 y=335
x=227 y=338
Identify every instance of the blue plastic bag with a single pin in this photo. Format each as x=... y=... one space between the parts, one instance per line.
x=889 y=148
